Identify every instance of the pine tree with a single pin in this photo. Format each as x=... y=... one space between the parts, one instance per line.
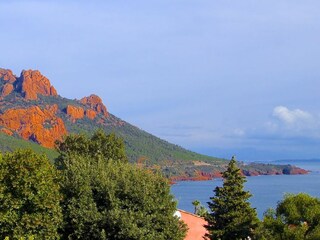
x=231 y=215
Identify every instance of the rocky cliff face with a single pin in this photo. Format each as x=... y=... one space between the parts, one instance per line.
x=30 y=84
x=75 y=112
x=91 y=114
x=33 y=123
x=7 y=76
x=7 y=89
x=95 y=103
x=41 y=123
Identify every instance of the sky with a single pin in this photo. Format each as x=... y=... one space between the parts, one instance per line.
x=218 y=77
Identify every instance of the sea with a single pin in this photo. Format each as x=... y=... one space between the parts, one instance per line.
x=266 y=191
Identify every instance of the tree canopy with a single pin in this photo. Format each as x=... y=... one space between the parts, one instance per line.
x=296 y=217
x=105 y=198
x=29 y=196
x=231 y=215
x=99 y=145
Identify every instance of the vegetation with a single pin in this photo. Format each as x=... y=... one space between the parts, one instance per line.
x=107 y=198
x=296 y=217
x=115 y=200
x=97 y=194
x=29 y=196
x=231 y=215
x=101 y=195
x=10 y=144
x=98 y=146
x=199 y=209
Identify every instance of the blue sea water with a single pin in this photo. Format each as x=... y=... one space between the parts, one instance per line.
x=266 y=190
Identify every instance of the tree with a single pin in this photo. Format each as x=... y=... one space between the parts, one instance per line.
x=111 y=199
x=99 y=145
x=231 y=215
x=29 y=196
x=199 y=209
x=296 y=217
x=196 y=204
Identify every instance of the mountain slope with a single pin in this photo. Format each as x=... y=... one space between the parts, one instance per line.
x=10 y=143
x=31 y=109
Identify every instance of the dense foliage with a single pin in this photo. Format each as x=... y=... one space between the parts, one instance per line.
x=29 y=196
x=231 y=215
x=99 y=145
x=296 y=217
x=111 y=199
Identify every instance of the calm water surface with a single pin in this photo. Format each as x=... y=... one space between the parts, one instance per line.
x=266 y=190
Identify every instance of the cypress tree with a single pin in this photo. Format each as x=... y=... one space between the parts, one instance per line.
x=231 y=215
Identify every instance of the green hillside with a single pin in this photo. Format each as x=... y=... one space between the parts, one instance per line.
x=9 y=144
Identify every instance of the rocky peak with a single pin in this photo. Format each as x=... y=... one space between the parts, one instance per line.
x=95 y=103
x=31 y=83
x=7 y=76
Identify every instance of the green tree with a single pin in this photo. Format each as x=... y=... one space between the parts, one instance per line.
x=99 y=145
x=111 y=199
x=196 y=204
x=296 y=217
x=29 y=196
x=199 y=209
x=231 y=215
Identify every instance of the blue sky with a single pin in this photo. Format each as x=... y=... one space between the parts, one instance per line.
x=217 y=77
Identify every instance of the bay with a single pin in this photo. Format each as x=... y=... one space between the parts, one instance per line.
x=266 y=190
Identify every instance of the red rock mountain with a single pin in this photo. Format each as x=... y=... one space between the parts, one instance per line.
x=29 y=84
x=33 y=83
x=33 y=123
x=95 y=103
x=43 y=124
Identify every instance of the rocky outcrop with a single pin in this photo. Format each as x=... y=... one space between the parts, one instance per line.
x=75 y=112
x=94 y=102
x=31 y=83
x=33 y=123
x=7 y=76
x=7 y=89
x=91 y=114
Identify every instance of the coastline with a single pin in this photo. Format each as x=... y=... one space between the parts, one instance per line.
x=204 y=176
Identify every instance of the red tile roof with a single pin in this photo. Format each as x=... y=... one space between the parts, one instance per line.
x=195 y=224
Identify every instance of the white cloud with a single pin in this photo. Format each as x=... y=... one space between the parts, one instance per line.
x=294 y=123
x=290 y=117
